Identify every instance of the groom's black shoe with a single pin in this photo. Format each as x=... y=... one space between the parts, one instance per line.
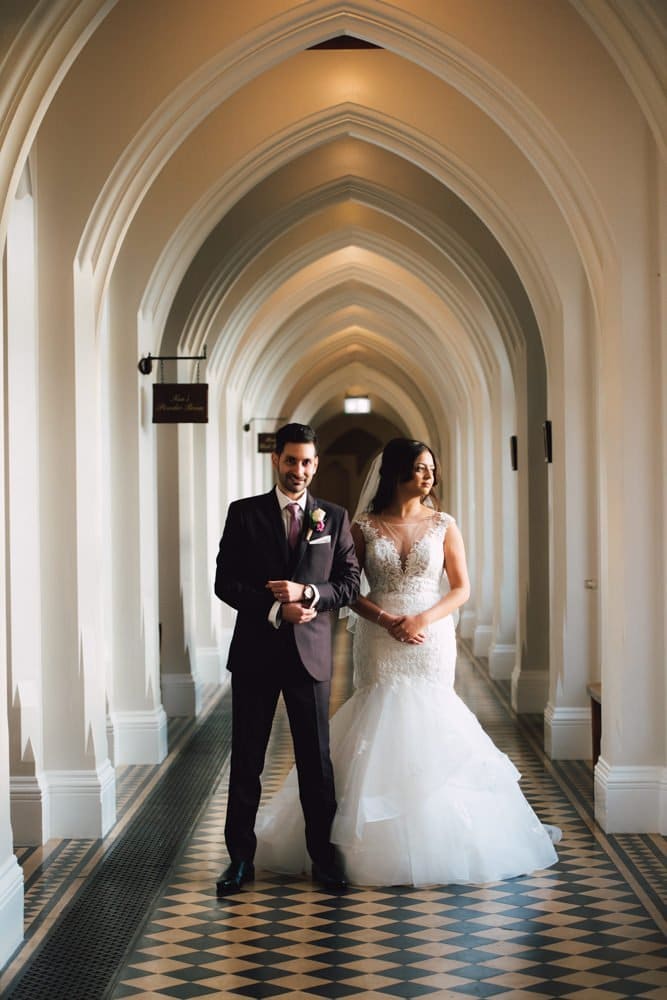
x=234 y=876
x=329 y=877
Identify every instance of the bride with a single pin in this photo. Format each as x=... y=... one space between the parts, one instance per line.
x=424 y=795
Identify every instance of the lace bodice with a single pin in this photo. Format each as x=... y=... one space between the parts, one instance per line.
x=403 y=564
x=404 y=556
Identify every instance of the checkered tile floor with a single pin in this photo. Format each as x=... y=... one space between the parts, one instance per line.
x=592 y=926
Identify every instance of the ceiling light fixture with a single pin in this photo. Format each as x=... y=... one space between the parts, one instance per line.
x=357 y=404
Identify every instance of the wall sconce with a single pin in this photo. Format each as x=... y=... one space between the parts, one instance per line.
x=514 y=455
x=548 y=451
x=356 y=404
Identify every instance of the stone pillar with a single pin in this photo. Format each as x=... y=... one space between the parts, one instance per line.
x=631 y=773
x=530 y=676
x=181 y=689
x=138 y=719
x=198 y=555
x=77 y=770
x=29 y=800
x=574 y=652
x=502 y=651
x=11 y=876
x=484 y=499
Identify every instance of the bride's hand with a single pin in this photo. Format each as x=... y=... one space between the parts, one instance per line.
x=407 y=628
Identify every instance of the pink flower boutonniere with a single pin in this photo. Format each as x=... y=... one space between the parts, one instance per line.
x=317 y=517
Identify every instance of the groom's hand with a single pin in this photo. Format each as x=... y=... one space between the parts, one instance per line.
x=297 y=614
x=286 y=591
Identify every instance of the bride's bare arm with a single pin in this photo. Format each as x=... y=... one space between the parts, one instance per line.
x=459 y=582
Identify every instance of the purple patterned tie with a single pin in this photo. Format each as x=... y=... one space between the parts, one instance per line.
x=294 y=525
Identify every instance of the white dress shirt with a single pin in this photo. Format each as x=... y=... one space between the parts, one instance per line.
x=285 y=501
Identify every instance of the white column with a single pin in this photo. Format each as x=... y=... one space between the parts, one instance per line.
x=29 y=800
x=11 y=876
x=502 y=651
x=530 y=677
x=484 y=562
x=197 y=541
x=77 y=769
x=181 y=689
x=574 y=652
x=222 y=617
x=137 y=716
x=465 y=479
x=631 y=774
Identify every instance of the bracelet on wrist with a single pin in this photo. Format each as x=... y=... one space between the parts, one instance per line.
x=377 y=620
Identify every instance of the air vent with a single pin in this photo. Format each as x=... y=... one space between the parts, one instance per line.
x=345 y=42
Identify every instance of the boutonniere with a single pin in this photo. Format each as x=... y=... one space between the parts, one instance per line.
x=317 y=517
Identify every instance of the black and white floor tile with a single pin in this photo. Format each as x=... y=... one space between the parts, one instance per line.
x=593 y=926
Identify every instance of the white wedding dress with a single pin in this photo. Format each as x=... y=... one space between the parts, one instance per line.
x=424 y=795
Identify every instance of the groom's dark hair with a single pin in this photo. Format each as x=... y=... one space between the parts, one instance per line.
x=295 y=434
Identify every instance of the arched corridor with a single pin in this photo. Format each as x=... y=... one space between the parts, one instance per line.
x=453 y=209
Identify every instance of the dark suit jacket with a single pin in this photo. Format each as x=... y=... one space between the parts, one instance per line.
x=254 y=549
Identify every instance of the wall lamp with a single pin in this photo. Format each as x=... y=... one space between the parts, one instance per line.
x=548 y=443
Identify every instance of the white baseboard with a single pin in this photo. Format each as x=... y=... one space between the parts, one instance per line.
x=82 y=804
x=567 y=732
x=530 y=690
x=181 y=694
x=29 y=810
x=467 y=624
x=631 y=799
x=140 y=737
x=210 y=665
x=11 y=908
x=482 y=639
x=111 y=740
x=502 y=657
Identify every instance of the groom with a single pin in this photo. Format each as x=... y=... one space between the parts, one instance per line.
x=286 y=562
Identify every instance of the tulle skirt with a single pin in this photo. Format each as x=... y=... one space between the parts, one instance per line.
x=424 y=796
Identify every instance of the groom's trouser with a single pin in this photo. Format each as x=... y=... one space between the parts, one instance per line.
x=254 y=699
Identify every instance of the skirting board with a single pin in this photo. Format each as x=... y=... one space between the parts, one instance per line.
x=482 y=639
x=29 y=808
x=502 y=657
x=567 y=732
x=210 y=664
x=181 y=695
x=140 y=737
x=11 y=908
x=82 y=804
x=530 y=690
x=467 y=624
x=631 y=799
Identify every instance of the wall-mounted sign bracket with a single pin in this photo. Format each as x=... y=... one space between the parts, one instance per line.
x=145 y=365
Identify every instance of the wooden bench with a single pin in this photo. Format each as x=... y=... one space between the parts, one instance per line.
x=595 y=694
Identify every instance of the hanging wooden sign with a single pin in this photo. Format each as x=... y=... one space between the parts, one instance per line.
x=266 y=443
x=180 y=403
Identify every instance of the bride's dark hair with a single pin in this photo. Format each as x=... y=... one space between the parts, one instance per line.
x=398 y=466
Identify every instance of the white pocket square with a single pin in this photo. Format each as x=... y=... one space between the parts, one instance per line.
x=320 y=541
